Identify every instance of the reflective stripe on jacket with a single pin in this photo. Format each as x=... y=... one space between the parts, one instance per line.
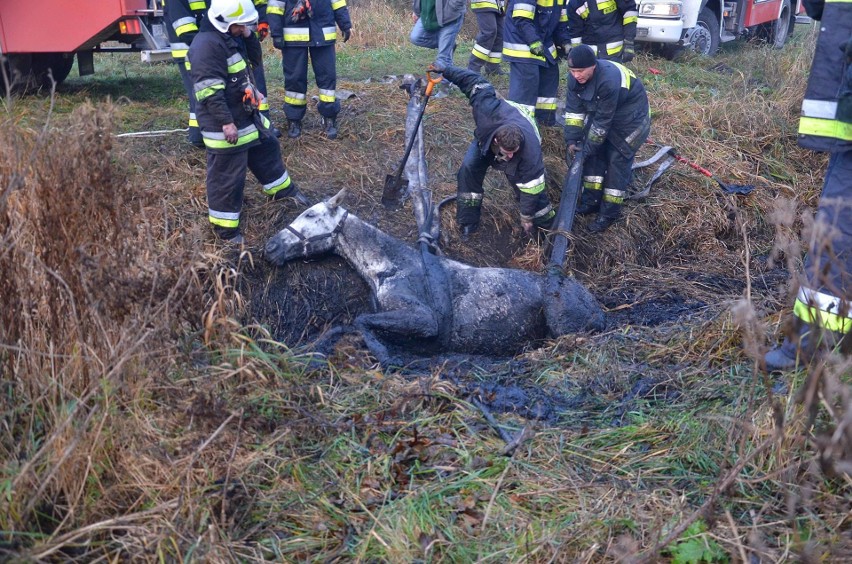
x=826 y=122
x=613 y=100
x=220 y=74
x=603 y=25
x=529 y=21
x=320 y=28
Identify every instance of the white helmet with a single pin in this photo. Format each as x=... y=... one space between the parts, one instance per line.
x=223 y=13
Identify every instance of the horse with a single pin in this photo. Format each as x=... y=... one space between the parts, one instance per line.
x=427 y=304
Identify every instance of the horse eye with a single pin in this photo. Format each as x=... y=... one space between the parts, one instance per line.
x=310 y=214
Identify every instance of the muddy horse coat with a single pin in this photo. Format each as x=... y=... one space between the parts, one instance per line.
x=430 y=304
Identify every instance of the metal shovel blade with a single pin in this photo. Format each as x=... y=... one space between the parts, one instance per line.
x=395 y=187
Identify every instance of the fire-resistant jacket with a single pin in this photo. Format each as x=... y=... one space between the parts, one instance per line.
x=220 y=74
x=826 y=122
x=615 y=103
x=315 y=30
x=496 y=6
x=603 y=25
x=526 y=169
x=182 y=20
x=530 y=21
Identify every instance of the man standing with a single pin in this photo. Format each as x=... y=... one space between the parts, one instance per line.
x=488 y=47
x=235 y=134
x=506 y=138
x=436 y=26
x=608 y=27
x=822 y=315
x=303 y=28
x=182 y=18
x=607 y=115
x=529 y=37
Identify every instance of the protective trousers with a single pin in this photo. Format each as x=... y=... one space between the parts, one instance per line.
x=226 y=179
x=607 y=173
x=295 y=63
x=822 y=310
x=194 y=135
x=535 y=86
x=488 y=47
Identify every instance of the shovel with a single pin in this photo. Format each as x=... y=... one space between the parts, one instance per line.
x=395 y=185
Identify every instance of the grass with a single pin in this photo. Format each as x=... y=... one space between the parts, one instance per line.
x=155 y=406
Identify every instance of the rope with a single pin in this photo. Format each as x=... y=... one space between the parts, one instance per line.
x=154 y=133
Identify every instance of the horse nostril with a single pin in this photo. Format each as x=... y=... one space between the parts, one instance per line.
x=271 y=247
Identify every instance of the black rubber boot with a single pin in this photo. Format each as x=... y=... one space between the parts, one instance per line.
x=601 y=224
x=294 y=130
x=330 y=126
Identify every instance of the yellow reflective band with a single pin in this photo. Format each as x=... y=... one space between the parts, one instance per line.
x=831 y=128
x=302 y=36
x=477 y=54
x=186 y=29
x=495 y=58
x=516 y=13
x=545 y=105
x=330 y=36
x=629 y=20
x=195 y=5
x=179 y=53
x=483 y=5
x=263 y=106
x=223 y=143
x=544 y=3
x=186 y=64
x=205 y=93
x=276 y=186
x=275 y=10
x=824 y=319
x=193 y=122
x=534 y=186
x=237 y=67
x=563 y=16
x=295 y=101
x=338 y=4
x=574 y=122
x=592 y=185
x=613 y=51
x=326 y=95
x=224 y=222
x=521 y=54
x=606 y=7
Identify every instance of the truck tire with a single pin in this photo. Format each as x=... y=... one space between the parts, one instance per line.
x=33 y=71
x=776 y=33
x=705 y=40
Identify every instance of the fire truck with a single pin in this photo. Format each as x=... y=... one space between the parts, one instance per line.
x=703 y=25
x=39 y=39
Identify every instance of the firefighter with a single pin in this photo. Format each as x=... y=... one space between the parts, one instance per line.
x=607 y=115
x=235 y=133
x=607 y=26
x=530 y=35
x=488 y=46
x=302 y=28
x=506 y=138
x=822 y=319
x=182 y=19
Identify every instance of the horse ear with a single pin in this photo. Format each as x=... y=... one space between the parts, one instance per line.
x=335 y=200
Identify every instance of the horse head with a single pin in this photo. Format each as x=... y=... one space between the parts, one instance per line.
x=310 y=234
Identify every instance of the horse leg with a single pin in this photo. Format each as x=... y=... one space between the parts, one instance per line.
x=418 y=322
x=324 y=345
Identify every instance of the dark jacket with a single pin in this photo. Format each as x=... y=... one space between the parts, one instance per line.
x=826 y=122
x=526 y=169
x=182 y=19
x=529 y=21
x=614 y=102
x=316 y=30
x=220 y=75
x=604 y=24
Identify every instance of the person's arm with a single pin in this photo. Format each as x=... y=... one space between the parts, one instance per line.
x=275 y=10
x=601 y=121
x=182 y=20
x=341 y=17
x=209 y=71
x=629 y=16
x=576 y=22
x=522 y=13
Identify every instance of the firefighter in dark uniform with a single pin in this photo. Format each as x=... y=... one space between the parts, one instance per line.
x=488 y=46
x=822 y=318
x=530 y=35
x=506 y=138
x=607 y=26
x=300 y=28
x=182 y=19
x=235 y=133
x=607 y=115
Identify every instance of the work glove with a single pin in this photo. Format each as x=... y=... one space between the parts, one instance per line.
x=262 y=31
x=436 y=68
x=536 y=49
x=629 y=51
x=278 y=42
x=347 y=33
